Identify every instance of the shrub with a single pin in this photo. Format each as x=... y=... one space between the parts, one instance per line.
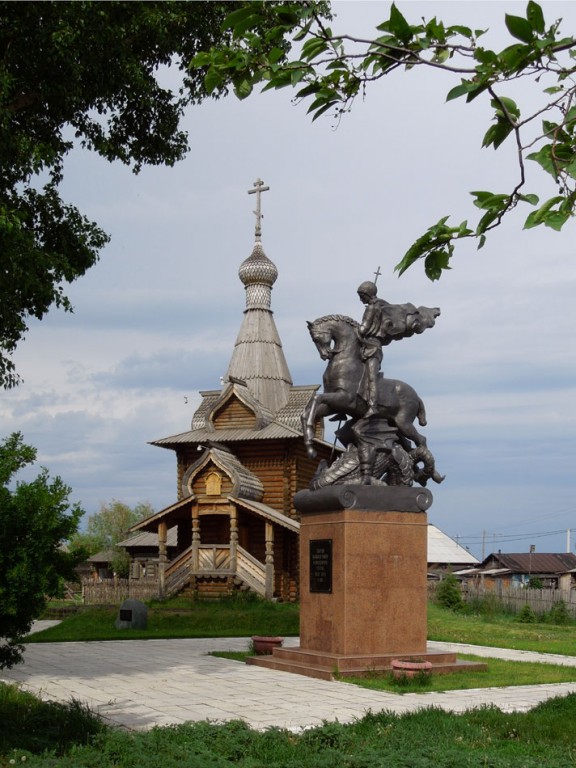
x=448 y=593
x=526 y=615
x=559 y=613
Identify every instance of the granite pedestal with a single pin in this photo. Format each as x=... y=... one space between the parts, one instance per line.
x=363 y=582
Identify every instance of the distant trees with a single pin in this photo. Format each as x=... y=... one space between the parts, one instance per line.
x=36 y=519
x=107 y=527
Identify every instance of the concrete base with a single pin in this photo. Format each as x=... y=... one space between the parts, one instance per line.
x=363 y=583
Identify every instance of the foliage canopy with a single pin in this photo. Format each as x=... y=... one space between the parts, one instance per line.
x=35 y=520
x=82 y=73
x=298 y=49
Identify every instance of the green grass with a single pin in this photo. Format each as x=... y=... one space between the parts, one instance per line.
x=243 y=617
x=236 y=617
x=28 y=724
x=67 y=736
x=484 y=738
x=501 y=631
x=500 y=673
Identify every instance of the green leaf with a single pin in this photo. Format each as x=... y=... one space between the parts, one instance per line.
x=243 y=88
x=212 y=80
x=486 y=56
x=529 y=198
x=515 y=56
x=481 y=198
x=497 y=134
x=399 y=26
x=458 y=29
x=535 y=17
x=540 y=216
x=555 y=220
x=545 y=158
x=313 y=48
x=519 y=28
x=509 y=105
x=461 y=90
x=437 y=261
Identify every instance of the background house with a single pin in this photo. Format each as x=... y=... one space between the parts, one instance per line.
x=516 y=569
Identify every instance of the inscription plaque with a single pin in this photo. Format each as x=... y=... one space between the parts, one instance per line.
x=321 y=565
x=125 y=614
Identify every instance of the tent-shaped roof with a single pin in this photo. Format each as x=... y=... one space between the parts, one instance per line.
x=444 y=550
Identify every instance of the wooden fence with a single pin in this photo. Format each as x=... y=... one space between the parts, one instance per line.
x=513 y=599
x=113 y=591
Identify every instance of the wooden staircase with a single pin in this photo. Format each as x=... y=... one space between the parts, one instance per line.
x=215 y=575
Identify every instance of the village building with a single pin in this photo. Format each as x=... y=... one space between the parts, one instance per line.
x=233 y=525
x=502 y=571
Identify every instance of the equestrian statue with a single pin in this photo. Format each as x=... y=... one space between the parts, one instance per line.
x=381 y=444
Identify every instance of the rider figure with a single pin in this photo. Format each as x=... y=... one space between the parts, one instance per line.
x=373 y=335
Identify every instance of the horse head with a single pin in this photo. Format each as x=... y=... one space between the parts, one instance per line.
x=332 y=334
x=322 y=337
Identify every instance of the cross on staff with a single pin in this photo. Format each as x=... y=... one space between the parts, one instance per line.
x=377 y=275
x=258 y=189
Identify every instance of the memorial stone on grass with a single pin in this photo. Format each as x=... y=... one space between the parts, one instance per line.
x=133 y=614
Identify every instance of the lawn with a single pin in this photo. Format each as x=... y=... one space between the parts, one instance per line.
x=58 y=736
x=501 y=631
x=237 y=617
x=248 y=616
x=67 y=736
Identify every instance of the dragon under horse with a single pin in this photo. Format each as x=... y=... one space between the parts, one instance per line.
x=382 y=445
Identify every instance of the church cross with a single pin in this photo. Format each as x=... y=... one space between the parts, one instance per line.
x=258 y=189
x=377 y=275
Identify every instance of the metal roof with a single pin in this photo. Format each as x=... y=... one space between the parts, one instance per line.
x=443 y=549
x=535 y=562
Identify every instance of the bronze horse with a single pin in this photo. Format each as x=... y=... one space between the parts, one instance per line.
x=336 y=338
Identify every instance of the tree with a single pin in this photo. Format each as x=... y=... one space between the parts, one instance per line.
x=331 y=71
x=35 y=520
x=107 y=527
x=87 y=73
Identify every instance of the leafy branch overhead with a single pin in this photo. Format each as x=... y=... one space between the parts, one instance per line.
x=292 y=45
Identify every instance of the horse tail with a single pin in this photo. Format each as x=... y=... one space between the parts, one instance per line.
x=421 y=413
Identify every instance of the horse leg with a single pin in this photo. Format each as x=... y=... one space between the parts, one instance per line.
x=407 y=428
x=316 y=409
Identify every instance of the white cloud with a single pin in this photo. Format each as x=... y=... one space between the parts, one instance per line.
x=156 y=319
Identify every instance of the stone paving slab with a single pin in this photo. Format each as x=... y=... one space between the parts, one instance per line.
x=142 y=683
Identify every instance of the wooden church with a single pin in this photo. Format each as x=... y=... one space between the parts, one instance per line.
x=239 y=465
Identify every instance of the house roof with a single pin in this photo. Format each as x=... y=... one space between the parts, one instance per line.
x=246 y=483
x=535 y=562
x=149 y=539
x=105 y=556
x=263 y=510
x=444 y=550
x=285 y=424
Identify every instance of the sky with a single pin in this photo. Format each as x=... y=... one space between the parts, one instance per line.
x=156 y=319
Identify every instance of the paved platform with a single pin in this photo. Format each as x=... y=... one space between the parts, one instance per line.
x=142 y=683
